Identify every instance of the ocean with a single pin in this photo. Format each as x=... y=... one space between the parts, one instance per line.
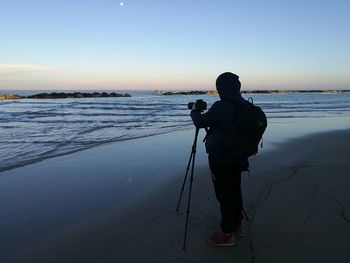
x=35 y=129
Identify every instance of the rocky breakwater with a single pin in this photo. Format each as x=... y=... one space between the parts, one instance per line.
x=215 y=92
x=63 y=95
x=195 y=92
x=10 y=97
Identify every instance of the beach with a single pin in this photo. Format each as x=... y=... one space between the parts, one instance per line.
x=100 y=104
x=117 y=202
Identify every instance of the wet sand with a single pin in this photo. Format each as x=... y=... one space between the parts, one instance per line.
x=116 y=203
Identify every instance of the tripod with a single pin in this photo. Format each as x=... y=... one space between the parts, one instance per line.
x=190 y=161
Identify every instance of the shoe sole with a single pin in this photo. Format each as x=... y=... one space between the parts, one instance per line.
x=221 y=245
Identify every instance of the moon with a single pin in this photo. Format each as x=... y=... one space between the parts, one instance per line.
x=121 y=4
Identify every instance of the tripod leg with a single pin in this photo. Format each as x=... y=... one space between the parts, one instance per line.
x=184 y=182
x=194 y=145
x=190 y=192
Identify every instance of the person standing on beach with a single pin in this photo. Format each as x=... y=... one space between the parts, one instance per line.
x=225 y=166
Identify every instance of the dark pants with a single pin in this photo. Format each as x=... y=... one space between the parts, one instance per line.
x=227 y=184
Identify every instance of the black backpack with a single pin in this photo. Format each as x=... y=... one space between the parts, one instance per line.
x=246 y=130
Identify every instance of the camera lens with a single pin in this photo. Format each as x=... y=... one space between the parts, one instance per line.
x=201 y=105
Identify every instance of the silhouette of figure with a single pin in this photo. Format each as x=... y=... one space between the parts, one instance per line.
x=226 y=168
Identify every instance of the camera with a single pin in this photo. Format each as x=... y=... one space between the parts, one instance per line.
x=201 y=105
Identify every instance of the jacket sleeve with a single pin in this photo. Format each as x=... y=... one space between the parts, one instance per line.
x=208 y=119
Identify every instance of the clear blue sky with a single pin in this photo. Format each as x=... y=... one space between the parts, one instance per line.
x=133 y=44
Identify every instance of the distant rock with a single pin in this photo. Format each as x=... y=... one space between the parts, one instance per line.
x=194 y=92
x=10 y=97
x=264 y=91
x=63 y=95
x=212 y=92
x=215 y=92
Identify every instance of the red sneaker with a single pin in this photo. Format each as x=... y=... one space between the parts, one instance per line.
x=222 y=239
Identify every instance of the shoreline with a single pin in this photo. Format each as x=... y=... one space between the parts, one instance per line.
x=276 y=133
x=34 y=161
x=147 y=223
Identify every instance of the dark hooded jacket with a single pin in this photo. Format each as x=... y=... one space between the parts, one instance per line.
x=218 y=118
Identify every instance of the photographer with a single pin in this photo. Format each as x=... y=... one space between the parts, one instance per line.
x=224 y=165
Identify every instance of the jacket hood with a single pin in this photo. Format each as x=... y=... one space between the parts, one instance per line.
x=229 y=86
